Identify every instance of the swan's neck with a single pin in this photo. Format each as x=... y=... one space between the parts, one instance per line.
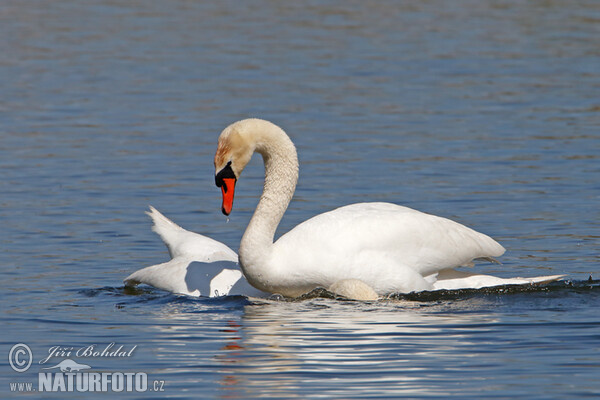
x=281 y=176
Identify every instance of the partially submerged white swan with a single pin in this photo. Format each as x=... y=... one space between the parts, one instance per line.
x=199 y=266
x=373 y=249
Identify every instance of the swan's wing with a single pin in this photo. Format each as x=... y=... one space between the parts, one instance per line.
x=183 y=243
x=342 y=242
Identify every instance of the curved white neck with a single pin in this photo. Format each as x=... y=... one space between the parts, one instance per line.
x=281 y=176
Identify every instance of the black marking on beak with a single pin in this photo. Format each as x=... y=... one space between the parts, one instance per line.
x=225 y=173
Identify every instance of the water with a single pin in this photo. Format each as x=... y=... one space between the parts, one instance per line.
x=484 y=112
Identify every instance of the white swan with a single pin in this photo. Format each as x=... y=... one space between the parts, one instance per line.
x=199 y=266
x=366 y=248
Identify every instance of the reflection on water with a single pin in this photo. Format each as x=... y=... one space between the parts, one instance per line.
x=349 y=349
x=358 y=350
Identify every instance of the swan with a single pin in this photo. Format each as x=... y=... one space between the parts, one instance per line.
x=199 y=265
x=365 y=250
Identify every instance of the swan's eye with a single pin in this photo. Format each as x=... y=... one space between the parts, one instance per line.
x=225 y=173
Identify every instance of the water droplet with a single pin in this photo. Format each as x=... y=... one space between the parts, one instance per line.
x=227 y=220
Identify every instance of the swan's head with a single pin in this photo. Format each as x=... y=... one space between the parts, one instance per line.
x=239 y=141
x=233 y=154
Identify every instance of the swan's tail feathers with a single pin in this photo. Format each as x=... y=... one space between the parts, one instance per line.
x=162 y=225
x=183 y=243
x=168 y=230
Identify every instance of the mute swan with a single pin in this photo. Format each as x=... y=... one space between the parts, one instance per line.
x=379 y=248
x=199 y=265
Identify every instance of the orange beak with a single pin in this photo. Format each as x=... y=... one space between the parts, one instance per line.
x=227 y=189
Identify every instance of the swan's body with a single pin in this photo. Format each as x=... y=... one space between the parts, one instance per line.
x=389 y=248
x=199 y=266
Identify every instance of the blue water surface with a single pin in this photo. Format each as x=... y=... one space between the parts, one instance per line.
x=487 y=113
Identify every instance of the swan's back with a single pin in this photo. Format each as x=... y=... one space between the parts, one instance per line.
x=380 y=231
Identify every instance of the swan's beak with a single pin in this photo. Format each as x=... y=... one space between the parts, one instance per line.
x=225 y=179
x=227 y=189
